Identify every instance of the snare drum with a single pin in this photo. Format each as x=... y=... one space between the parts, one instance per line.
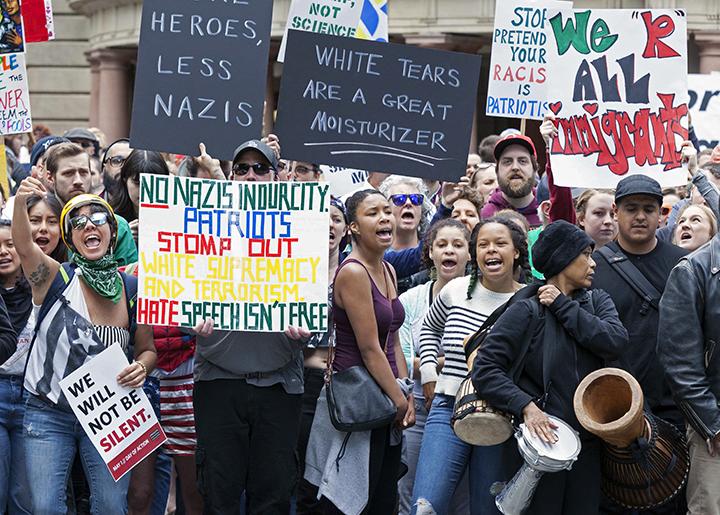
x=547 y=457
x=477 y=423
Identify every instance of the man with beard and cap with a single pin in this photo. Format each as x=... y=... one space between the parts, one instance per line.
x=633 y=270
x=248 y=390
x=516 y=168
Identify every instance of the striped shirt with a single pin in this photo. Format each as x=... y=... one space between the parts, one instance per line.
x=451 y=318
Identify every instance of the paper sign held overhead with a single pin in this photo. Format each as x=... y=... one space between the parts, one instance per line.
x=38 y=21
x=249 y=255
x=324 y=17
x=201 y=74
x=12 y=35
x=14 y=96
x=377 y=106
x=119 y=421
x=619 y=92
x=517 y=85
x=704 y=105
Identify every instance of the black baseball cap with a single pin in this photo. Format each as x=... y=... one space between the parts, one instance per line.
x=261 y=147
x=41 y=146
x=638 y=185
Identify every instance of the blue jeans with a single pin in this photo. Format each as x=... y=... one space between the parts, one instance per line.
x=444 y=458
x=412 y=440
x=163 y=469
x=14 y=487
x=52 y=437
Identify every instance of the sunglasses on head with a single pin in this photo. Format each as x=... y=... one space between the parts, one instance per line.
x=80 y=221
x=241 y=169
x=400 y=199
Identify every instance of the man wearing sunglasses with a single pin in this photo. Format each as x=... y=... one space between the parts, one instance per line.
x=68 y=174
x=248 y=390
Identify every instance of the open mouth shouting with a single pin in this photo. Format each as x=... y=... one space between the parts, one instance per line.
x=448 y=265
x=492 y=264
x=385 y=235
x=92 y=241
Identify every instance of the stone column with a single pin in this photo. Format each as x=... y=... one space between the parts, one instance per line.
x=709 y=50
x=114 y=92
x=94 y=61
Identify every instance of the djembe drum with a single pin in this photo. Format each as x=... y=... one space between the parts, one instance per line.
x=645 y=460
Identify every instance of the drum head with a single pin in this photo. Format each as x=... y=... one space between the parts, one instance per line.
x=565 y=449
x=483 y=429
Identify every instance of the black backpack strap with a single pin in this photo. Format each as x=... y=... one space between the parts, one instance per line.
x=537 y=315
x=478 y=338
x=131 y=287
x=634 y=277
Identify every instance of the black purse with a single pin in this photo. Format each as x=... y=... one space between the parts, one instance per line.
x=355 y=400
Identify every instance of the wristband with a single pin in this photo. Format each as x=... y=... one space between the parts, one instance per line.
x=142 y=365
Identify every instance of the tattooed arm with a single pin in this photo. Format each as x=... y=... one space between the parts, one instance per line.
x=39 y=269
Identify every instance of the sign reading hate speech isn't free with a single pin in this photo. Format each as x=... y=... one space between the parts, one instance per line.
x=517 y=85
x=624 y=109
x=201 y=74
x=249 y=255
x=377 y=106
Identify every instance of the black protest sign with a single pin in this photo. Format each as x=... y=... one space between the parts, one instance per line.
x=201 y=75
x=377 y=106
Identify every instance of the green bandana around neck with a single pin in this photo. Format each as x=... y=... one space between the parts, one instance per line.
x=101 y=275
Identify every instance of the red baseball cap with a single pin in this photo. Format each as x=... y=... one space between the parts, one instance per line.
x=514 y=139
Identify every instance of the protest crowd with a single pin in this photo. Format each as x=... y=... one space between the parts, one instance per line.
x=498 y=340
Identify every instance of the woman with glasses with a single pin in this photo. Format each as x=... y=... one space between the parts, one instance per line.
x=83 y=307
x=407 y=201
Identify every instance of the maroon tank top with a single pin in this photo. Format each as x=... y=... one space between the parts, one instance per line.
x=389 y=315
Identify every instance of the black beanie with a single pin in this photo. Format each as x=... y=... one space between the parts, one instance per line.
x=557 y=246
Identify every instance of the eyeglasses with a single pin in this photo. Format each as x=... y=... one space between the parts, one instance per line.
x=416 y=199
x=80 y=221
x=242 y=169
x=116 y=161
x=86 y=144
x=303 y=170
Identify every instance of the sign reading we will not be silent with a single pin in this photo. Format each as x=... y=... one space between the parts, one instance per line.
x=624 y=111
x=119 y=421
x=201 y=74
x=249 y=255
x=377 y=106
x=14 y=95
x=517 y=85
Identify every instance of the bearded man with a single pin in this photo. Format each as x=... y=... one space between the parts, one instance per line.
x=516 y=173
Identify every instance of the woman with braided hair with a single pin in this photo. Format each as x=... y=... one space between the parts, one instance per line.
x=497 y=248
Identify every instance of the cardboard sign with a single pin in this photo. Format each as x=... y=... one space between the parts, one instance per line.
x=12 y=39
x=374 y=22
x=202 y=68
x=14 y=96
x=342 y=180
x=38 y=20
x=517 y=84
x=324 y=17
x=619 y=92
x=704 y=106
x=119 y=421
x=377 y=106
x=4 y=183
x=249 y=255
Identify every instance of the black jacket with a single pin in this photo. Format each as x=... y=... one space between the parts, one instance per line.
x=688 y=336
x=581 y=343
x=8 y=337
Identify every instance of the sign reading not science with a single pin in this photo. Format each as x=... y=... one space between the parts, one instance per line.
x=377 y=106
x=201 y=75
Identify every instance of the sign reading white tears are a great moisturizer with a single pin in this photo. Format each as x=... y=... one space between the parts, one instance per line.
x=377 y=106
x=201 y=73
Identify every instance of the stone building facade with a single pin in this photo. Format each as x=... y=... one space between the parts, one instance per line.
x=86 y=75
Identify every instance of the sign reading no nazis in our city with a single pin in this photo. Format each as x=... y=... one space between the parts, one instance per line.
x=377 y=106
x=201 y=75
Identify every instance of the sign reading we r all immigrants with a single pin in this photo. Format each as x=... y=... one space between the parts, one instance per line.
x=253 y=256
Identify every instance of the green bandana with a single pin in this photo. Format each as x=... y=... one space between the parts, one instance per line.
x=101 y=275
